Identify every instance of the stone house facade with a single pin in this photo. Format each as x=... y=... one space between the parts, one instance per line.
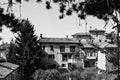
x=64 y=51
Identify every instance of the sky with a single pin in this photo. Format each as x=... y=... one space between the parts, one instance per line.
x=47 y=22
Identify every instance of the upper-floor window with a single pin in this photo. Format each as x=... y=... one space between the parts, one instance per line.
x=51 y=48
x=44 y=47
x=64 y=57
x=91 y=54
x=62 y=48
x=100 y=40
x=105 y=40
x=72 y=48
x=69 y=56
x=51 y=56
x=77 y=56
x=63 y=65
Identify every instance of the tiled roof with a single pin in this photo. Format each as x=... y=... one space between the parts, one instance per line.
x=111 y=46
x=81 y=34
x=95 y=30
x=86 y=44
x=9 y=65
x=106 y=45
x=4 y=72
x=58 y=40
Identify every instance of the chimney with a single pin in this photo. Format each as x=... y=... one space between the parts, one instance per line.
x=67 y=36
x=41 y=35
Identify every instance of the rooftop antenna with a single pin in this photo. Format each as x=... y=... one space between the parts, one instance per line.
x=90 y=34
x=105 y=26
x=90 y=27
x=86 y=26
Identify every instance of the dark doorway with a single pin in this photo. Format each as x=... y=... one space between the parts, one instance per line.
x=87 y=64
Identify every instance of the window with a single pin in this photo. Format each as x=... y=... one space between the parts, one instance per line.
x=96 y=34
x=63 y=65
x=91 y=54
x=100 y=40
x=77 y=55
x=64 y=57
x=62 y=48
x=44 y=47
x=92 y=41
x=51 y=48
x=72 y=48
x=105 y=40
x=69 y=64
x=51 y=56
x=70 y=56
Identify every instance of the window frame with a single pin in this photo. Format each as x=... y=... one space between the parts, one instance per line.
x=62 y=48
x=51 y=48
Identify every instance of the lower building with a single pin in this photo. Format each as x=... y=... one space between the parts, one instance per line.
x=9 y=71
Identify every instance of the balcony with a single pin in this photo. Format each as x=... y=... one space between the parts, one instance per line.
x=72 y=61
x=91 y=57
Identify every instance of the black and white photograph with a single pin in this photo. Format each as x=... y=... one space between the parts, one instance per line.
x=59 y=39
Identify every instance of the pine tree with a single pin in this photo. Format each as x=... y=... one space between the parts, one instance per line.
x=27 y=48
x=11 y=56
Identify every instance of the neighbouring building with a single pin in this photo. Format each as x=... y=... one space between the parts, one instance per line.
x=90 y=51
x=94 y=43
x=4 y=51
x=91 y=54
x=9 y=71
x=105 y=52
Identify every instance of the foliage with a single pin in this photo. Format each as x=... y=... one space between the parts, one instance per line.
x=47 y=75
x=103 y=9
x=9 y=21
x=11 y=56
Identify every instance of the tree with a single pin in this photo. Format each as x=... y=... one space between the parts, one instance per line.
x=102 y=9
x=27 y=49
x=47 y=75
x=11 y=56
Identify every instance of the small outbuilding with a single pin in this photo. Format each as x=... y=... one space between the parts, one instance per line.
x=9 y=71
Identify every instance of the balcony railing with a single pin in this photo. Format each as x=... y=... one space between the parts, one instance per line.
x=71 y=61
x=91 y=57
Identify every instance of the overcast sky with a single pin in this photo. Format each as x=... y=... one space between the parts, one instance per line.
x=47 y=22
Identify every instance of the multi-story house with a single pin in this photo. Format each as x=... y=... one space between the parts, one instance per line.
x=64 y=51
x=94 y=43
x=88 y=48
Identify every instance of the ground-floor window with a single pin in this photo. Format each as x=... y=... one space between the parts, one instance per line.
x=63 y=65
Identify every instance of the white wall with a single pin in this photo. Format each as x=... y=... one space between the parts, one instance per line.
x=101 y=61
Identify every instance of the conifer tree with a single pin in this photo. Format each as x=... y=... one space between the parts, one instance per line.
x=28 y=49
